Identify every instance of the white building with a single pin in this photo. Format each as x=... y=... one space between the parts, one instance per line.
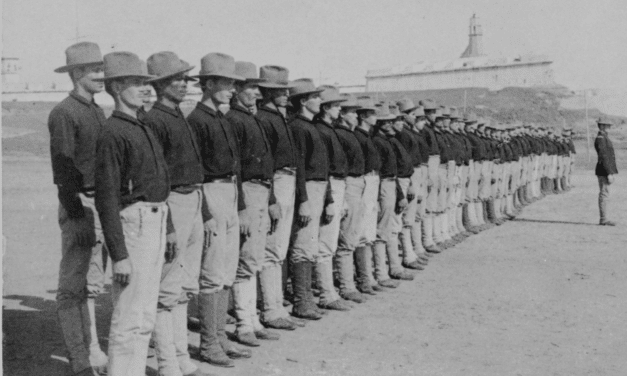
x=472 y=69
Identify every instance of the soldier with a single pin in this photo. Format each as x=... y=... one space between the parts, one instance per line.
x=605 y=168
x=366 y=282
x=257 y=173
x=272 y=115
x=330 y=107
x=190 y=215
x=352 y=217
x=220 y=152
x=313 y=196
x=446 y=174
x=477 y=155
x=74 y=126
x=132 y=185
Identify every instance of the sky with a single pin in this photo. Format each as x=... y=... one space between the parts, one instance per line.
x=327 y=40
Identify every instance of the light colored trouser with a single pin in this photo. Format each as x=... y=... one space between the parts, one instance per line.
x=443 y=186
x=220 y=259
x=305 y=239
x=433 y=189
x=370 y=218
x=409 y=215
x=604 y=196
x=82 y=271
x=388 y=226
x=278 y=242
x=351 y=226
x=179 y=278
x=135 y=305
x=486 y=180
x=252 y=253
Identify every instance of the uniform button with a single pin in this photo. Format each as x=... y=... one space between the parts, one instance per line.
x=154 y=210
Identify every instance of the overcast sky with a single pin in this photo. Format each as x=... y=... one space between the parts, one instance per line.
x=332 y=40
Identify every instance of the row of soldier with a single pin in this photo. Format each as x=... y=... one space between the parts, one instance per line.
x=264 y=172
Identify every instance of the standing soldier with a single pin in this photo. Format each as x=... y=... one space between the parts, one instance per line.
x=74 y=126
x=605 y=169
x=220 y=154
x=257 y=172
x=179 y=279
x=132 y=185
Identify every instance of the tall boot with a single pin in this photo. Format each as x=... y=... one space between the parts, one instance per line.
x=448 y=240
x=301 y=282
x=164 y=344
x=345 y=266
x=244 y=297
x=427 y=235
x=362 y=272
x=271 y=292
x=438 y=236
x=410 y=258
x=460 y=221
x=70 y=320
x=416 y=237
x=466 y=222
x=229 y=348
x=486 y=213
x=97 y=357
x=380 y=268
x=210 y=350
x=329 y=298
x=396 y=269
x=179 y=326
x=479 y=214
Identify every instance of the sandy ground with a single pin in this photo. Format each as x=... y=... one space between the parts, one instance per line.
x=545 y=294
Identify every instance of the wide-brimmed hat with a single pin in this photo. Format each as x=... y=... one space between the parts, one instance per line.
x=366 y=103
x=383 y=112
x=217 y=64
x=248 y=71
x=350 y=102
x=275 y=77
x=604 y=120
x=303 y=86
x=406 y=105
x=394 y=110
x=419 y=112
x=439 y=114
x=123 y=64
x=166 y=64
x=471 y=118
x=445 y=112
x=330 y=94
x=454 y=114
x=428 y=104
x=80 y=55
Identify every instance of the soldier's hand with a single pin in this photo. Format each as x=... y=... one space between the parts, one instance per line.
x=275 y=215
x=85 y=232
x=400 y=206
x=211 y=229
x=304 y=214
x=418 y=199
x=171 y=249
x=610 y=179
x=329 y=213
x=244 y=223
x=411 y=193
x=122 y=271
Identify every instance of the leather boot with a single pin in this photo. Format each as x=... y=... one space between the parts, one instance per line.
x=164 y=344
x=396 y=270
x=362 y=270
x=329 y=298
x=468 y=218
x=97 y=357
x=301 y=282
x=409 y=256
x=380 y=268
x=71 y=322
x=210 y=350
x=232 y=351
x=345 y=265
x=419 y=249
x=179 y=326
x=244 y=296
x=427 y=235
x=486 y=214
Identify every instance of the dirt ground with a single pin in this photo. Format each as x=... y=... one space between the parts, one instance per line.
x=545 y=294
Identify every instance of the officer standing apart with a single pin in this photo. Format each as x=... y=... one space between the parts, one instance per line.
x=74 y=126
x=132 y=185
x=605 y=169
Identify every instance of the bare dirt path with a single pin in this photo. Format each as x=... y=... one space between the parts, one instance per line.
x=545 y=294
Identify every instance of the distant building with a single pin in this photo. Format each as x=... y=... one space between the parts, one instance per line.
x=472 y=69
x=10 y=71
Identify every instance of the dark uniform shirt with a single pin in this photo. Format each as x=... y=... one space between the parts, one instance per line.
x=74 y=126
x=444 y=146
x=423 y=147
x=219 y=147
x=606 y=164
x=404 y=165
x=388 y=157
x=338 y=164
x=352 y=149
x=371 y=154
x=280 y=136
x=429 y=137
x=409 y=140
x=312 y=155
x=130 y=168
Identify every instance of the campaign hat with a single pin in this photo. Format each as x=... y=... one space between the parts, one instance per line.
x=366 y=103
x=248 y=71
x=406 y=105
x=604 y=120
x=166 y=64
x=217 y=64
x=330 y=94
x=383 y=112
x=454 y=113
x=123 y=64
x=428 y=104
x=470 y=118
x=350 y=101
x=439 y=114
x=303 y=86
x=274 y=77
x=446 y=111
x=79 y=55
x=419 y=112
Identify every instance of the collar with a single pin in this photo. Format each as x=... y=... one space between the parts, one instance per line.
x=367 y=133
x=271 y=110
x=321 y=121
x=240 y=108
x=122 y=116
x=162 y=107
x=342 y=126
x=604 y=133
x=82 y=99
x=299 y=116
x=208 y=110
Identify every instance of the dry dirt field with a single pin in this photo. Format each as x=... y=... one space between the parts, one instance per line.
x=545 y=294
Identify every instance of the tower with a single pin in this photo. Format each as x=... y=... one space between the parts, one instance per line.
x=10 y=68
x=475 y=44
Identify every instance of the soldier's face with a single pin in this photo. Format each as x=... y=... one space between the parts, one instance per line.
x=85 y=77
x=248 y=94
x=221 y=89
x=446 y=122
x=279 y=97
x=420 y=123
x=130 y=91
x=333 y=110
x=312 y=103
x=430 y=115
x=350 y=117
x=175 y=90
x=398 y=125
x=370 y=118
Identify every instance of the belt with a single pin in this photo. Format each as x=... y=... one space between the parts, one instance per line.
x=372 y=173
x=286 y=171
x=185 y=188
x=225 y=179
x=265 y=182
x=337 y=177
x=89 y=192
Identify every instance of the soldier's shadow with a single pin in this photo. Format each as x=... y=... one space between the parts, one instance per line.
x=555 y=222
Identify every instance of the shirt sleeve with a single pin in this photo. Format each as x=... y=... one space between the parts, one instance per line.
x=67 y=177
x=301 y=186
x=109 y=162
